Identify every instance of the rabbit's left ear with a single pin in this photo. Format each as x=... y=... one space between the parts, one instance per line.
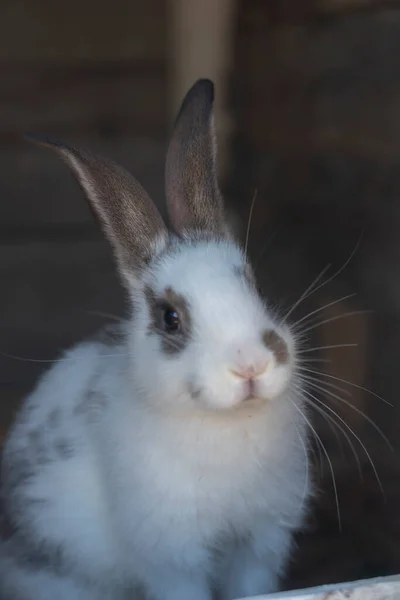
x=129 y=218
x=193 y=197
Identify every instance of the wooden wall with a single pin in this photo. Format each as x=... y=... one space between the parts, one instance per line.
x=317 y=97
x=90 y=74
x=315 y=90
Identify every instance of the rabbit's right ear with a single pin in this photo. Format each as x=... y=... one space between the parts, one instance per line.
x=128 y=216
x=193 y=196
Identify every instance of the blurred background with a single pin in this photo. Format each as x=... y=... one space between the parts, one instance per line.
x=308 y=118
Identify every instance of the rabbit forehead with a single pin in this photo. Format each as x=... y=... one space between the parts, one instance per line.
x=188 y=265
x=210 y=277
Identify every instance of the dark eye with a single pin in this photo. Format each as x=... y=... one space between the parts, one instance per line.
x=171 y=320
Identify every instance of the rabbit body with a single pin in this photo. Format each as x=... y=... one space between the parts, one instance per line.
x=162 y=462
x=114 y=495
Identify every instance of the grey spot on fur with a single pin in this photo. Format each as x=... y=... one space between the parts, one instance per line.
x=54 y=418
x=91 y=405
x=277 y=345
x=16 y=472
x=34 y=554
x=171 y=343
x=64 y=448
x=25 y=413
x=40 y=453
x=194 y=391
x=7 y=527
x=22 y=544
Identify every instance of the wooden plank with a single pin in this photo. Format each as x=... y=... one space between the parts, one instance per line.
x=75 y=32
x=324 y=87
x=259 y=15
x=109 y=98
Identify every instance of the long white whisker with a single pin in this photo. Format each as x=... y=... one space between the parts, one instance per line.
x=306 y=361
x=51 y=360
x=335 y=318
x=338 y=388
x=357 y=438
x=249 y=221
x=98 y=313
x=331 y=410
x=304 y=294
x=346 y=382
x=341 y=269
x=307 y=475
x=319 y=309
x=257 y=262
x=330 y=347
x=327 y=458
x=358 y=411
x=312 y=289
x=330 y=421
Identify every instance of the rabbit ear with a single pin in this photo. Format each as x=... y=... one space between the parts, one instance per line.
x=129 y=218
x=193 y=197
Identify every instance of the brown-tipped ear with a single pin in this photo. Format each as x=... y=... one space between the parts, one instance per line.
x=193 y=197
x=129 y=218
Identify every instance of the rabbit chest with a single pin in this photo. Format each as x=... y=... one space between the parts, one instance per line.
x=190 y=485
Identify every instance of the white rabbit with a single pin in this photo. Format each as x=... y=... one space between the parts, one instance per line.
x=170 y=460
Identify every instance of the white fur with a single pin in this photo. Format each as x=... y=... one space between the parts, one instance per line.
x=165 y=489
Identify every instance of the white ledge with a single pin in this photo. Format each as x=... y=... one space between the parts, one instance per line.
x=382 y=588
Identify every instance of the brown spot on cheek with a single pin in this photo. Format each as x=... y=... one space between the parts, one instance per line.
x=277 y=345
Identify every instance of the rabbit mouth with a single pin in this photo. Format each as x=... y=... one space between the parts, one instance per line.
x=250 y=391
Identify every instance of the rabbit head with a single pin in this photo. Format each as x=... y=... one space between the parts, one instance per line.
x=201 y=336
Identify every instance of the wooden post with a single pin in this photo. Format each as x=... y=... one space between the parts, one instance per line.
x=201 y=45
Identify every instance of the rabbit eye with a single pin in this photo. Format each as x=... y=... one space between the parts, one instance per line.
x=171 y=320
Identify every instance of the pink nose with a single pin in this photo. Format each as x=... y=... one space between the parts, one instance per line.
x=250 y=370
x=248 y=359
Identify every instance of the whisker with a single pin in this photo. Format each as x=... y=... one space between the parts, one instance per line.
x=328 y=419
x=331 y=421
x=346 y=382
x=312 y=289
x=311 y=378
x=330 y=409
x=358 y=411
x=327 y=458
x=304 y=294
x=358 y=440
x=317 y=310
x=331 y=347
x=341 y=269
x=307 y=461
x=306 y=361
x=51 y=360
x=335 y=318
x=257 y=262
x=98 y=313
x=249 y=220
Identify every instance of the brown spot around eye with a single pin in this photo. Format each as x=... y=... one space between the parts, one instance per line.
x=171 y=343
x=277 y=345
